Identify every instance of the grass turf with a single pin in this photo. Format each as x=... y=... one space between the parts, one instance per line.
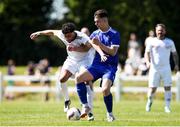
x=127 y=113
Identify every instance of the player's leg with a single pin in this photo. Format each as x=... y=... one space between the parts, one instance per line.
x=166 y=77
x=64 y=76
x=89 y=86
x=69 y=68
x=150 y=96
x=108 y=98
x=80 y=80
x=154 y=81
x=167 y=98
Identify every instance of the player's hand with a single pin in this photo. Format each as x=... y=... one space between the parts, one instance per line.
x=34 y=35
x=95 y=41
x=148 y=65
x=71 y=48
x=104 y=57
x=176 y=68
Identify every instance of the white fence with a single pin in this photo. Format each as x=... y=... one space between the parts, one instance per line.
x=117 y=88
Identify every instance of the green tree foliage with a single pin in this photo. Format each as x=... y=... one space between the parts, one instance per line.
x=128 y=16
x=18 y=19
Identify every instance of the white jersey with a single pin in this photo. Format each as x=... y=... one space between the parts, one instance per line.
x=160 y=52
x=80 y=39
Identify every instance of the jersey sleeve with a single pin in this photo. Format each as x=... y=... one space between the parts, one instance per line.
x=148 y=45
x=115 y=40
x=173 y=48
x=92 y=35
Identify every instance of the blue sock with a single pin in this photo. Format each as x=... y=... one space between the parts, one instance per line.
x=108 y=100
x=82 y=92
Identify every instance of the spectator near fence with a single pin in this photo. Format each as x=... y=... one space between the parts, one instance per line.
x=10 y=71
x=31 y=69
x=134 y=55
x=42 y=71
x=151 y=35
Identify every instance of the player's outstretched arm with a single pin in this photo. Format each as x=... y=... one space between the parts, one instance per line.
x=44 y=32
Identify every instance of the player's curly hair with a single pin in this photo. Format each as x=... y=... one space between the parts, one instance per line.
x=68 y=28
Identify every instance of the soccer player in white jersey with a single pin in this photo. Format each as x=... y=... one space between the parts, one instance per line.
x=157 y=56
x=77 y=45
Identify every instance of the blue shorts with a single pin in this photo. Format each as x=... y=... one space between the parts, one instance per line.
x=103 y=71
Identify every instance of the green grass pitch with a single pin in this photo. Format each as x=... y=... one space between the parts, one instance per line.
x=127 y=113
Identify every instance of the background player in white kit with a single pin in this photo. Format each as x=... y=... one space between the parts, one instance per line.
x=157 y=56
x=77 y=45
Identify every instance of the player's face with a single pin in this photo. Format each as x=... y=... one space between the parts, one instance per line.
x=98 y=21
x=69 y=36
x=160 y=32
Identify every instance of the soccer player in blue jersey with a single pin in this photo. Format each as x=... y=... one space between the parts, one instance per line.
x=104 y=65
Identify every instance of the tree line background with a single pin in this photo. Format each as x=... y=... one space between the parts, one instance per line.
x=19 y=18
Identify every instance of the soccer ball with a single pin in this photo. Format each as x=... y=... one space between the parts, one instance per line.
x=73 y=114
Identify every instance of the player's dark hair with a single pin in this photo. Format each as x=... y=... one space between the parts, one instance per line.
x=68 y=28
x=101 y=13
x=162 y=25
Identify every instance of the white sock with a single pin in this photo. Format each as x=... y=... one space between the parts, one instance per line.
x=167 y=97
x=109 y=113
x=89 y=96
x=64 y=90
x=85 y=105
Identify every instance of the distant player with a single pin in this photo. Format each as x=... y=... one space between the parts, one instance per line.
x=157 y=56
x=104 y=65
x=77 y=45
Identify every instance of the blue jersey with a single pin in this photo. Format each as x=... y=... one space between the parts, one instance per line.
x=108 y=68
x=108 y=38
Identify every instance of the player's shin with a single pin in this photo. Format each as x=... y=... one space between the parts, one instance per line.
x=89 y=96
x=150 y=95
x=108 y=100
x=64 y=90
x=167 y=97
x=82 y=93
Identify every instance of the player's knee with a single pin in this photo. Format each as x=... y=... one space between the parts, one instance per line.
x=168 y=88
x=62 y=80
x=105 y=91
x=78 y=79
x=153 y=90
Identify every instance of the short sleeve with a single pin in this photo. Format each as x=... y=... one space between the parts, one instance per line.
x=148 y=47
x=92 y=35
x=116 y=40
x=173 y=48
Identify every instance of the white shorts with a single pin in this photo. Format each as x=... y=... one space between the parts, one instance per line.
x=75 y=66
x=156 y=76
